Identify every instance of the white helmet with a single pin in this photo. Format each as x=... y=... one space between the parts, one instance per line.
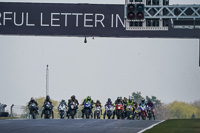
x=130 y=98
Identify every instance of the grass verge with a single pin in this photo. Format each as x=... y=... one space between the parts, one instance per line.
x=177 y=126
x=6 y=118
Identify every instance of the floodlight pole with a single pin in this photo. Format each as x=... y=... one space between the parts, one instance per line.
x=47 y=81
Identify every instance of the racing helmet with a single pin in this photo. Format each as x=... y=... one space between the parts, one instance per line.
x=47 y=97
x=149 y=101
x=118 y=98
x=143 y=100
x=73 y=97
x=109 y=100
x=32 y=99
x=130 y=98
x=89 y=98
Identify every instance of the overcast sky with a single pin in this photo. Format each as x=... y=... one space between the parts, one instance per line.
x=102 y=68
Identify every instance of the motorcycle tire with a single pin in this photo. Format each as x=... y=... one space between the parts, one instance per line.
x=95 y=115
x=47 y=114
x=98 y=116
x=138 y=117
x=154 y=117
x=61 y=115
x=143 y=116
x=109 y=114
x=150 y=116
x=72 y=113
x=33 y=115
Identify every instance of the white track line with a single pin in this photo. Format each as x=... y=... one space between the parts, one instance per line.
x=150 y=127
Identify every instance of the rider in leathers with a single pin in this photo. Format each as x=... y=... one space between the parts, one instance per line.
x=31 y=102
x=150 y=104
x=98 y=103
x=45 y=102
x=73 y=99
x=62 y=102
x=143 y=103
x=91 y=102
x=108 y=103
x=124 y=101
x=118 y=101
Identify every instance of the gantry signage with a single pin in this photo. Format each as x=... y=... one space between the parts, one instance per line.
x=157 y=14
x=48 y=19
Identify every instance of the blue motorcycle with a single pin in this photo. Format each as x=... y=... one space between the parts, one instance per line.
x=87 y=109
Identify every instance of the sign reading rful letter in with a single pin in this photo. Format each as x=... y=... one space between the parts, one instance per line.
x=47 y=19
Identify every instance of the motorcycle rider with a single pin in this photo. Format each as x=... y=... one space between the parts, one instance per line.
x=150 y=104
x=108 y=103
x=45 y=102
x=98 y=103
x=62 y=102
x=135 y=104
x=143 y=103
x=91 y=102
x=130 y=102
x=124 y=101
x=73 y=99
x=118 y=101
x=31 y=102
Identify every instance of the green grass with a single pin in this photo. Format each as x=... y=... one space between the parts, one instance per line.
x=6 y=118
x=177 y=126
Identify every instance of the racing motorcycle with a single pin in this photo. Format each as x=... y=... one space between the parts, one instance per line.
x=124 y=113
x=48 y=110
x=129 y=111
x=62 y=110
x=73 y=108
x=136 y=113
x=87 y=108
x=119 y=110
x=143 y=109
x=150 y=113
x=33 y=110
x=109 y=111
x=97 y=112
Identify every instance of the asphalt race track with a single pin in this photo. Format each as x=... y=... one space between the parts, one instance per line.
x=74 y=126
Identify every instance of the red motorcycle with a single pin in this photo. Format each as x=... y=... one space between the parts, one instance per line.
x=119 y=110
x=143 y=109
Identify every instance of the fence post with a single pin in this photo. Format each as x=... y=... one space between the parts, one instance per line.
x=11 y=111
